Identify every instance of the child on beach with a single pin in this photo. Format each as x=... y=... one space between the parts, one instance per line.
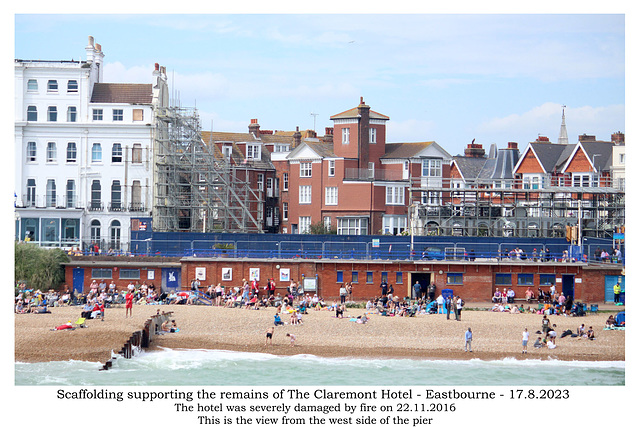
x=292 y=338
x=269 y=336
x=525 y=340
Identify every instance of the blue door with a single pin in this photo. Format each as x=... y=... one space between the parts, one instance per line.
x=170 y=279
x=568 y=285
x=609 y=283
x=78 y=280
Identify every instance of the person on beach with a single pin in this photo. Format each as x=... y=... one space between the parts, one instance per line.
x=268 y=340
x=545 y=324
x=128 y=306
x=343 y=294
x=459 y=304
x=277 y=320
x=468 y=337
x=447 y=305
x=525 y=340
x=292 y=338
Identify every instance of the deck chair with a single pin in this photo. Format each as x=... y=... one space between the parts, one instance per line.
x=80 y=323
x=594 y=308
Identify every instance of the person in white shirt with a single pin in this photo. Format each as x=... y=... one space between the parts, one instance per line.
x=525 y=340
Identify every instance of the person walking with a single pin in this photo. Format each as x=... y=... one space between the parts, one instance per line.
x=447 y=305
x=454 y=307
x=459 y=304
x=525 y=340
x=468 y=337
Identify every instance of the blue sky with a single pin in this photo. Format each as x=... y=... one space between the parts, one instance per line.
x=447 y=78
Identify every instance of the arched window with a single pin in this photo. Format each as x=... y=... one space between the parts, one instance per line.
x=96 y=153
x=116 y=153
x=114 y=235
x=32 y=113
x=95 y=231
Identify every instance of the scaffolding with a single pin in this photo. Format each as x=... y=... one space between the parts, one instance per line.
x=501 y=212
x=196 y=190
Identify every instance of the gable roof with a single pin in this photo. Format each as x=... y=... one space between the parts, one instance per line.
x=469 y=167
x=122 y=93
x=405 y=150
x=320 y=149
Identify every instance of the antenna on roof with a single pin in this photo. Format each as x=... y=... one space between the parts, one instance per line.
x=314 y=120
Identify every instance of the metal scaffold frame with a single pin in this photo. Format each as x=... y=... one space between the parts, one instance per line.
x=194 y=189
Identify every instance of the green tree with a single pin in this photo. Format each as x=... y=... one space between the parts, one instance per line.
x=319 y=228
x=40 y=268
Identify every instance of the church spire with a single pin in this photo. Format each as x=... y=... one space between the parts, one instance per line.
x=563 y=138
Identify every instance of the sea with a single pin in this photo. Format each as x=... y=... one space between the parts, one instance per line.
x=187 y=367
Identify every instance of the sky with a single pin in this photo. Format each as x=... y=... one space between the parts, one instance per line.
x=444 y=78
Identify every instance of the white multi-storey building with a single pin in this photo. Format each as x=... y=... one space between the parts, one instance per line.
x=83 y=152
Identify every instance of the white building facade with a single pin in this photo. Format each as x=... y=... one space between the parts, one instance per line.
x=83 y=152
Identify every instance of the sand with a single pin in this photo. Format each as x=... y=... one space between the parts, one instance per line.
x=495 y=335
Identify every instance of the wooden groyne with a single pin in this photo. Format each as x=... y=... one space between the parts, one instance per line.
x=142 y=338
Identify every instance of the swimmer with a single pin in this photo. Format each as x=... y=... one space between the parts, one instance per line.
x=269 y=336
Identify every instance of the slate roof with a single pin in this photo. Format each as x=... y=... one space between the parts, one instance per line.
x=551 y=154
x=122 y=93
x=353 y=113
x=469 y=167
x=404 y=150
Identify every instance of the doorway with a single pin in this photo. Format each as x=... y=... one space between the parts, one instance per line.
x=424 y=279
x=568 y=285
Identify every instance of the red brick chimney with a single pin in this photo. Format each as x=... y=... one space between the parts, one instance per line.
x=617 y=138
x=328 y=135
x=514 y=145
x=474 y=150
x=297 y=137
x=254 y=127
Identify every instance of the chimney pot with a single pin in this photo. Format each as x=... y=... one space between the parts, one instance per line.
x=157 y=67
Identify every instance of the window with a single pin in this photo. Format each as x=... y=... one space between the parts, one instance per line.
x=354 y=277
x=395 y=195
x=432 y=167
x=384 y=276
x=269 y=187
x=71 y=230
x=285 y=211
x=431 y=198
x=547 y=279
x=253 y=151
x=51 y=193
x=116 y=153
x=51 y=152
x=97 y=114
x=72 y=86
x=394 y=224
x=305 y=170
x=32 y=85
x=116 y=196
x=31 y=192
x=372 y=135
x=32 y=150
x=327 y=223
x=304 y=224
x=454 y=278
x=369 y=277
x=399 y=277
x=118 y=114
x=114 y=236
x=138 y=114
x=260 y=182
x=622 y=158
x=226 y=151
x=72 y=114
x=52 y=86
x=72 y=152
x=96 y=153
x=52 y=113
x=95 y=233
x=305 y=194
x=345 y=135
x=371 y=170
x=136 y=153
x=129 y=274
x=71 y=193
x=525 y=279
x=32 y=113
x=101 y=273
x=285 y=182
x=136 y=196
x=331 y=196
x=339 y=277
x=353 y=226
x=332 y=168
x=96 y=195
x=503 y=279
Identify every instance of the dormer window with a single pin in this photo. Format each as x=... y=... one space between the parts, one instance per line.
x=253 y=151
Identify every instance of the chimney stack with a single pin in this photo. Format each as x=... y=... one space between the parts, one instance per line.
x=514 y=145
x=254 y=127
x=328 y=135
x=617 y=138
x=297 y=137
x=474 y=150
x=586 y=138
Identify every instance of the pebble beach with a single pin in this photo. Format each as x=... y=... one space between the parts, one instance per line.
x=495 y=335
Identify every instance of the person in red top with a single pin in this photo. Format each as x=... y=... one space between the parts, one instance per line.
x=255 y=287
x=128 y=304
